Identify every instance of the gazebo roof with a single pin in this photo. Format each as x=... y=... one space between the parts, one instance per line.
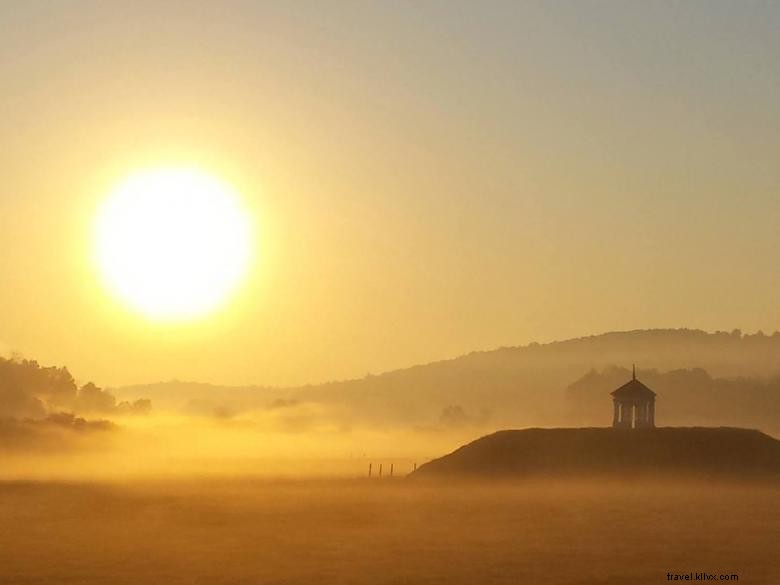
x=633 y=389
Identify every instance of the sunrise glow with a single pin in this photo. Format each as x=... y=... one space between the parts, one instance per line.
x=172 y=243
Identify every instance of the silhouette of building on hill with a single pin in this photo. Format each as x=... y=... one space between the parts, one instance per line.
x=633 y=405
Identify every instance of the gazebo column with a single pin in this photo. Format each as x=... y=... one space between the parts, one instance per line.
x=615 y=413
x=641 y=415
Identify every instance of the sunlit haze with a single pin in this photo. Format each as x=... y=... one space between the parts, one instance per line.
x=427 y=180
x=371 y=292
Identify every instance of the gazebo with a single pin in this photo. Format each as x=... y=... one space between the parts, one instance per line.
x=633 y=405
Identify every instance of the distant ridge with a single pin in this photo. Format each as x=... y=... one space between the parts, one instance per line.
x=721 y=378
x=677 y=451
x=681 y=344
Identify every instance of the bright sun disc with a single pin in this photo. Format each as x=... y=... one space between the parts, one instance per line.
x=172 y=243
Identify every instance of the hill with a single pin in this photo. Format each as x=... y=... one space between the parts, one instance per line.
x=677 y=451
x=525 y=385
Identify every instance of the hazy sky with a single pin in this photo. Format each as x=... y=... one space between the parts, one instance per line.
x=428 y=178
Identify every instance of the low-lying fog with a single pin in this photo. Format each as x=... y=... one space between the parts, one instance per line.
x=253 y=445
x=341 y=532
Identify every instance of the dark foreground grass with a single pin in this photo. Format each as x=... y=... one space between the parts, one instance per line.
x=383 y=532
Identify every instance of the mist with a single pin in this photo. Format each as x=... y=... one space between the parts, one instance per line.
x=54 y=427
x=351 y=532
x=381 y=479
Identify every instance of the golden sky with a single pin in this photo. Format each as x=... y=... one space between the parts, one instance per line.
x=425 y=179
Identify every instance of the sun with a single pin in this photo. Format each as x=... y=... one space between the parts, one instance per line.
x=172 y=243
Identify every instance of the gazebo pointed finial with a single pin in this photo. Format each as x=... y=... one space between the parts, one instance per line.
x=633 y=375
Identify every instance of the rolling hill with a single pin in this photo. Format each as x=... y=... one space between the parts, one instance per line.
x=538 y=384
x=675 y=451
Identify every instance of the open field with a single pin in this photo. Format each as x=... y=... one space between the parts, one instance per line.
x=384 y=532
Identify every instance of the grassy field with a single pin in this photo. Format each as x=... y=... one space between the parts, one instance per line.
x=342 y=532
